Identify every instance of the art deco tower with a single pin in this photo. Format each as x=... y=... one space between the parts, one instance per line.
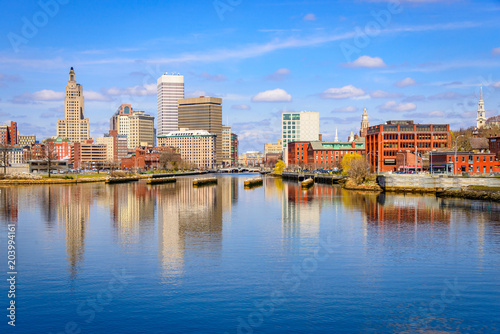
x=74 y=126
x=481 y=113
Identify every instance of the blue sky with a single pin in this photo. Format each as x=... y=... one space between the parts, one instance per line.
x=420 y=59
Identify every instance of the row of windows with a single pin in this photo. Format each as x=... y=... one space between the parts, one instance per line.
x=471 y=158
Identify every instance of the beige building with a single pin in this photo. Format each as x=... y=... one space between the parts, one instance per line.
x=273 y=147
x=26 y=140
x=195 y=146
x=108 y=141
x=74 y=126
x=226 y=145
x=136 y=126
x=88 y=155
x=142 y=130
x=203 y=113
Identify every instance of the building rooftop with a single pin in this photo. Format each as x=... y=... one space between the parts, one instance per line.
x=186 y=132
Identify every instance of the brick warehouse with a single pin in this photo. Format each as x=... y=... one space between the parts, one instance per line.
x=385 y=141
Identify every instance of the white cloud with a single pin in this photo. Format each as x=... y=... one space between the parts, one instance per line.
x=213 y=77
x=496 y=84
x=310 y=17
x=394 y=106
x=95 y=96
x=275 y=95
x=47 y=95
x=367 y=61
x=381 y=94
x=144 y=90
x=240 y=107
x=345 y=92
x=405 y=82
x=437 y=113
x=345 y=109
x=279 y=74
x=495 y=51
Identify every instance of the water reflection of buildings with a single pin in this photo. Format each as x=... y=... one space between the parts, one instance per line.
x=192 y=218
x=132 y=209
x=70 y=206
x=9 y=204
x=301 y=211
x=397 y=210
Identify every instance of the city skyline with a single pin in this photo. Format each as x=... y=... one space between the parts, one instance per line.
x=419 y=60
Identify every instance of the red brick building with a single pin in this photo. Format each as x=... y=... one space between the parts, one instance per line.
x=8 y=134
x=324 y=155
x=494 y=143
x=464 y=162
x=385 y=141
x=146 y=158
x=297 y=153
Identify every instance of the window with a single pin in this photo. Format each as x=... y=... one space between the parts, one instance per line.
x=463 y=159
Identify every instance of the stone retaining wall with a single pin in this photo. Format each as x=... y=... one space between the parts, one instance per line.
x=432 y=183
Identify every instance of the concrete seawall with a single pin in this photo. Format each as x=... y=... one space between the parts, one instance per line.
x=421 y=183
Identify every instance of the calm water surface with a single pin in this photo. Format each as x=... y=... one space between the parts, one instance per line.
x=133 y=258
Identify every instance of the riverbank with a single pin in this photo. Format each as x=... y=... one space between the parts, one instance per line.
x=57 y=179
x=477 y=193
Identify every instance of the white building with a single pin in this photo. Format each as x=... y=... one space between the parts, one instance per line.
x=196 y=146
x=298 y=126
x=170 y=88
x=15 y=156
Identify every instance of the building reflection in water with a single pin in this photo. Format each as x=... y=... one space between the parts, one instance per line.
x=9 y=204
x=132 y=207
x=301 y=212
x=68 y=207
x=191 y=218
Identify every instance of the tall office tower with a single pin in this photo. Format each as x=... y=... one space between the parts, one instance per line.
x=74 y=126
x=299 y=126
x=226 y=145
x=203 y=113
x=170 y=88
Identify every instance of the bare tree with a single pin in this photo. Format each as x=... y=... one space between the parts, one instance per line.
x=4 y=156
x=169 y=160
x=49 y=155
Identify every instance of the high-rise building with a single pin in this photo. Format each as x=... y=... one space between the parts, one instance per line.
x=203 y=113
x=134 y=125
x=364 y=124
x=196 y=146
x=299 y=126
x=8 y=134
x=481 y=113
x=234 y=149
x=74 y=126
x=273 y=147
x=226 y=145
x=141 y=131
x=170 y=88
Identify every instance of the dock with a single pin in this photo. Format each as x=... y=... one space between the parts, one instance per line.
x=161 y=180
x=255 y=182
x=110 y=180
x=318 y=178
x=204 y=181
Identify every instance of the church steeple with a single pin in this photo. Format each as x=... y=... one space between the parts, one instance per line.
x=481 y=113
x=364 y=124
x=336 y=136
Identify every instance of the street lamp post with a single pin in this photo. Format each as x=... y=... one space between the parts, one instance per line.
x=456 y=147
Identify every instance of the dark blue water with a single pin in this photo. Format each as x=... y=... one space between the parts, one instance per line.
x=132 y=258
